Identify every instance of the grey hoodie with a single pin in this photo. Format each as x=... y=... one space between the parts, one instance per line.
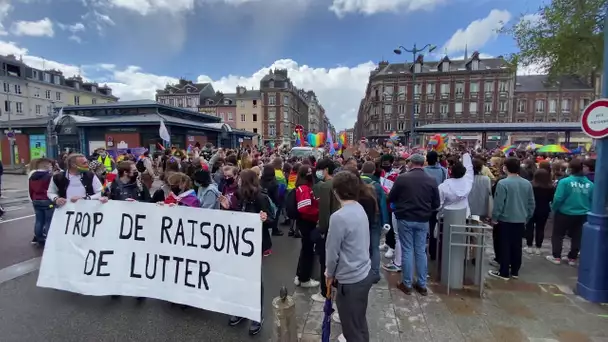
x=209 y=197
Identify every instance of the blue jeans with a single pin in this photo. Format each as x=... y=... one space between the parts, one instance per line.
x=412 y=236
x=43 y=210
x=374 y=250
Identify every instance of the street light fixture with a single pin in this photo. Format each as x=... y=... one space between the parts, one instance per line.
x=414 y=51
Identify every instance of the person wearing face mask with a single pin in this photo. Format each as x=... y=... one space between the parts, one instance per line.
x=76 y=183
x=38 y=184
x=230 y=187
x=128 y=186
x=181 y=192
x=207 y=191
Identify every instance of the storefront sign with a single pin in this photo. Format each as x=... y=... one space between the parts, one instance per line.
x=37 y=146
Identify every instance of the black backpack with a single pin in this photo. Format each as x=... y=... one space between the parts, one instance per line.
x=140 y=166
x=291 y=205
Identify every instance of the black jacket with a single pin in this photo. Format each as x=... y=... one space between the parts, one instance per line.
x=121 y=192
x=272 y=189
x=414 y=196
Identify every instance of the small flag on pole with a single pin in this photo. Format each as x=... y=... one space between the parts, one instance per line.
x=163 y=132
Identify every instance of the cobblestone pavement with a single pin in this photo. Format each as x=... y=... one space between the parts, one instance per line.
x=540 y=306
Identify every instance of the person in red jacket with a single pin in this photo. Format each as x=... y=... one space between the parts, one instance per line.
x=308 y=210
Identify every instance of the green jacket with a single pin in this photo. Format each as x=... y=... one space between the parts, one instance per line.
x=573 y=196
x=328 y=203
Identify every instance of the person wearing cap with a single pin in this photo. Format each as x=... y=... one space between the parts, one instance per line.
x=415 y=196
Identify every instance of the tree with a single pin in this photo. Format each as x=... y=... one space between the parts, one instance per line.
x=565 y=37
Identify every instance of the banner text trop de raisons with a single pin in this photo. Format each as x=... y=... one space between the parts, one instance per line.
x=229 y=239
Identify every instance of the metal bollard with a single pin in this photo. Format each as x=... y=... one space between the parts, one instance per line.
x=285 y=328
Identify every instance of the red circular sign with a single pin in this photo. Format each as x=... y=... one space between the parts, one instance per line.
x=594 y=120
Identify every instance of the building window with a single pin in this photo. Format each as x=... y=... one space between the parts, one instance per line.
x=401 y=94
x=417 y=68
x=488 y=86
x=387 y=95
x=271 y=85
x=459 y=88
x=242 y=117
x=458 y=107
x=7 y=106
x=47 y=94
x=35 y=74
x=552 y=106
x=162 y=101
x=474 y=87
x=230 y=116
x=93 y=89
x=76 y=85
x=443 y=108
x=255 y=130
x=38 y=109
x=272 y=100
x=241 y=103
x=76 y=100
x=286 y=100
x=255 y=118
x=521 y=106
x=475 y=65
x=47 y=77
x=540 y=106
x=401 y=126
x=286 y=129
x=387 y=126
x=417 y=88
x=502 y=86
x=17 y=89
x=36 y=92
x=94 y=101
x=172 y=102
x=584 y=103
x=227 y=102
x=57 y=79
x=566 y=103
x=401 y=109
x=58 y=96
x=7 y=87
x=255 y=103
x=502 y=106
x=487 y=107
x=188 y=101
x=272 y=130
x=19 y=107
x=272 y=115
x=430 y=108
x=180 y=102
x=388 y=109
x=445 y=88
x=473 y=107
x=286 y=115
x=416 y=108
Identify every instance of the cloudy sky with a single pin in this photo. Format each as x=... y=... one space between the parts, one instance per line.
x=329 y=46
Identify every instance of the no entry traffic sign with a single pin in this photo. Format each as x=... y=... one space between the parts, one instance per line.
x=594 y=120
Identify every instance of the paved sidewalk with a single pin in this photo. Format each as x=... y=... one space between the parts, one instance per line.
x=538 y=307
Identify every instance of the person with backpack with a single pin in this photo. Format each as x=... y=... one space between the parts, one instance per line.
x=268 y=182
x=38 y=185
x=76 y=183
x=307 y=208
x=128 y=186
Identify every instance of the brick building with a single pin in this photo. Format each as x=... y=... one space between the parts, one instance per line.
x=283 y=107
x=445 y=91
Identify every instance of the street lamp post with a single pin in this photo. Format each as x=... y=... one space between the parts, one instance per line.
x=414 y=51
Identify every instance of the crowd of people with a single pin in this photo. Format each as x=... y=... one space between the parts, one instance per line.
x=346 y=210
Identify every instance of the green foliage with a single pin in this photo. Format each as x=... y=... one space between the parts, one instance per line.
x=565 y=37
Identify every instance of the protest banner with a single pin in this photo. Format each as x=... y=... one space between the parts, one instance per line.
x=209 y=259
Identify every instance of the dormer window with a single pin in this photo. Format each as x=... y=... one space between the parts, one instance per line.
x=475 y=65
x=93 y=89
x=445 y=66
x=170 y=91
x=271 y=84
x=209 y=102
x=76 y=85
x=417 y=68
x=227 y=102
x=187 y=90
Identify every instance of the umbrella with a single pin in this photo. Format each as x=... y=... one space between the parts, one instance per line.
x=328 y=310
x=533 y=146
x=553 y=149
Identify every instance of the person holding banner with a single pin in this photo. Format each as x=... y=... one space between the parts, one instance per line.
x=251 y=199
x=76 y=183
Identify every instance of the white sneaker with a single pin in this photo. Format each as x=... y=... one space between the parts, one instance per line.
x=553 y=260
x=336 y=317
x=310 y=283
x=537 y=251
x=296 y=281
x=529 y=250
x=390 y=253
x=383 y=247
x=317 y=297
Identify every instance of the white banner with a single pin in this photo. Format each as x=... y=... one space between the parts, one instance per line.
x=209 y=259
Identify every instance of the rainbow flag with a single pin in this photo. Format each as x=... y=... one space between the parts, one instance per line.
x=342 y=139
x=393 y=136
x=281 y=180
x=316 y=140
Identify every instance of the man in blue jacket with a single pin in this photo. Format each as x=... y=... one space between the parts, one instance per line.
x=367 y=175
